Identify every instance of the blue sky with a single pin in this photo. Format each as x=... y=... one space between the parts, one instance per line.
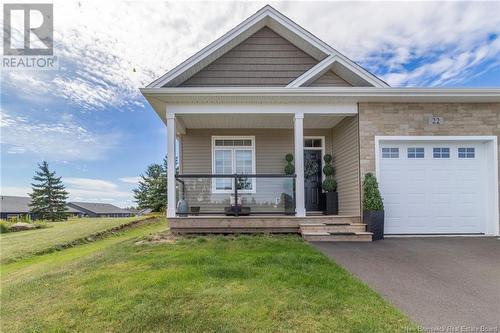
x=89 y=121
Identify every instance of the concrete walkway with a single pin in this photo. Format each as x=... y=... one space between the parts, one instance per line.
x=438 y=282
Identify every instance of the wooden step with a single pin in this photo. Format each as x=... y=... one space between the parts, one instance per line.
x=337 y=237
x=322 y=227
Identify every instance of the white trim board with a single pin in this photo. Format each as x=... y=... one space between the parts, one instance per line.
x=341 y=109
x=491 y=143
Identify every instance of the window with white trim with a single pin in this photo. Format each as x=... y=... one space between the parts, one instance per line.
x=466 y=152
x=416 y=152
x=390 y=152
x=443 y=152
x=313 y=143
x=233 y=155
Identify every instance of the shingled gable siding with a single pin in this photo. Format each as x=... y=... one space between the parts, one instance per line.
x=264 y=59
x=346 y=161
x=330 y=79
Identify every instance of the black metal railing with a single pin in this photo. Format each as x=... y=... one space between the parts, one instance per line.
x=245 y=194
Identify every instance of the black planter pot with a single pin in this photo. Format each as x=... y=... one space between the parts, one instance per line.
x=374 y=221
x=332 y=203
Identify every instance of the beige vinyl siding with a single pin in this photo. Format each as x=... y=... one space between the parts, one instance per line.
x=271 y=146
x=330 y=79
x=263 y=59
x=346 y=161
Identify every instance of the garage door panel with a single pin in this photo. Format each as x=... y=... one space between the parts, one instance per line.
x=433 y=194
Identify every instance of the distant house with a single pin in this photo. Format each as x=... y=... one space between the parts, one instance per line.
x=100 y=209
x=17 y=207
x=14 y=207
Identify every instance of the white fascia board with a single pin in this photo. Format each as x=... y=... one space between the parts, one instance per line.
x=313 y=73
x=341 y=109
x=355 y=92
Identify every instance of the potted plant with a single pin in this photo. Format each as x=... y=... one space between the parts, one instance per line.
x=373 y=207
x=288 y=186
x=330 y=187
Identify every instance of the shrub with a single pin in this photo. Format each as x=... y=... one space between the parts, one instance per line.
x=329 y=184
x=289 y=168
x=371 y=194
x=4 y=227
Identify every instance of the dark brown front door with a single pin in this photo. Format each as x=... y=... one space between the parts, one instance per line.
x=312 y=179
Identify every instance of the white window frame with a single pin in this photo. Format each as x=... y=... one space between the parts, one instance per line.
x=415 y=153
x=390 y=153
x=232 y=149
x=440 y=157
x=466 y=157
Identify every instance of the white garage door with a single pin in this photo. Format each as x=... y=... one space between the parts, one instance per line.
x=433 y=187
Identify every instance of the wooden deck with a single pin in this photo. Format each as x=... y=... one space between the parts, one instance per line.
x=251 y=224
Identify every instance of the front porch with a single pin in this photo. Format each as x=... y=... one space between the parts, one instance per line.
x=231 y=169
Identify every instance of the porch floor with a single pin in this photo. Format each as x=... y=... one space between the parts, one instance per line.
x=312 y=227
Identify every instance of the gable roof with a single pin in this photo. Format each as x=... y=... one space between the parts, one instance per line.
x=98 y=208
x=279 y=23
x=14 y=204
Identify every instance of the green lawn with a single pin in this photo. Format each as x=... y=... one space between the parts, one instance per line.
x=199 y=284
x=16 y=245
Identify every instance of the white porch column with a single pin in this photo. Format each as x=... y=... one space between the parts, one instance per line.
x=299 y=163
x=171 y=134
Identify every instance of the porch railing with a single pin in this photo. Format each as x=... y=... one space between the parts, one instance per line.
x=236 y=194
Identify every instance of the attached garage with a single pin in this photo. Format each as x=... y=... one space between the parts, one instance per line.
x=438 y=185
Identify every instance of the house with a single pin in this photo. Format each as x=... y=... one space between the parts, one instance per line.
x=17 y=207
x=92 y=209
x=269 y=87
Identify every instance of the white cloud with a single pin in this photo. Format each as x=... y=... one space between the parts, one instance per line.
x=130 y=180
x=61 y=140
x=84 y=189
x=97 y=190
x=91 y=184
x=108 y=50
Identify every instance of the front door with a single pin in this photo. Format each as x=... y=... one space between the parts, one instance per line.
x=312 y=179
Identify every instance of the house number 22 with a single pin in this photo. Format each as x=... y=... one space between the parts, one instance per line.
x=435 y=120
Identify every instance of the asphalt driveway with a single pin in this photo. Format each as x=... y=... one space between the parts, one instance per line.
x=438 y=282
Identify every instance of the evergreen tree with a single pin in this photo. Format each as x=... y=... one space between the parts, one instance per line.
x=152 y=189
x=48 y=197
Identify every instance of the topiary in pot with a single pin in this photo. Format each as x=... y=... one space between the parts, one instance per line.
x=289 y=167
x=330 y=187
x=288 y=186
x=373 y=207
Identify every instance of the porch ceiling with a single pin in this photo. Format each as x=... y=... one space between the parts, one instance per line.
x=255 y=120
